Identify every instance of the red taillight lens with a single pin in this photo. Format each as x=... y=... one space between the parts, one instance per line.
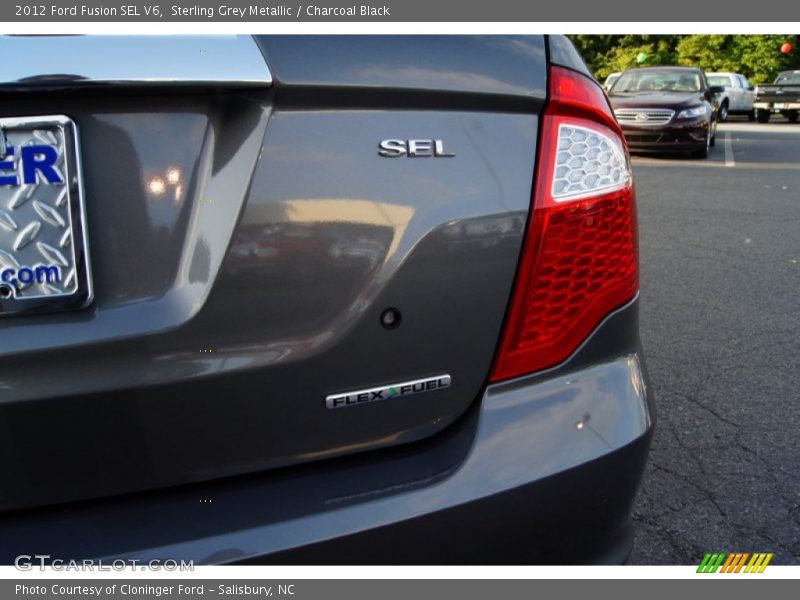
x=579 y=260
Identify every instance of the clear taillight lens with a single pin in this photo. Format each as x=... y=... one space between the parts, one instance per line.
x=587 y=163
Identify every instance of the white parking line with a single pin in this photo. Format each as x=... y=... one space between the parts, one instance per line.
x=729 y=159
x=706 y=164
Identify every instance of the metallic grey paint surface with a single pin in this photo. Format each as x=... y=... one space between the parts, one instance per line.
x=156 y=252
x=520 y=433
x=242 y=256
x=492 y=65
x=64 y=61
x=563 y=53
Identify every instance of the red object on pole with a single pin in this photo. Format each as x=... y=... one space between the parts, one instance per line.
x=786 y=48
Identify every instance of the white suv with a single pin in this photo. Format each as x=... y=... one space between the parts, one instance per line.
x=738 y=96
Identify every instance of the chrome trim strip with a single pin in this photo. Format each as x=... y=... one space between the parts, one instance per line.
x=655 y=116
x=649 y=110
x=65 y=61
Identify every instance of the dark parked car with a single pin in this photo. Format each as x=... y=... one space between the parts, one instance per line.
x=297 y=299
x=782 y=97
x=666 y=109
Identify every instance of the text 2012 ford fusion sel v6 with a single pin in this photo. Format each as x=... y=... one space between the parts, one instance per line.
x=316 y=300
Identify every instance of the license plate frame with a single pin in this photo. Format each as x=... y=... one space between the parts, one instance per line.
x=44 y=251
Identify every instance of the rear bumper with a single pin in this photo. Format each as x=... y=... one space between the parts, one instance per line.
x=778 y=106
x=578 y=516
x=544 y=469
x=550 y=478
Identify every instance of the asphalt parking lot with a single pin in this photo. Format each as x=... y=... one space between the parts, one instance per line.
x=720 y=291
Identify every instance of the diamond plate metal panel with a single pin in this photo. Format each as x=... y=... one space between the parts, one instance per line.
x=43 y=259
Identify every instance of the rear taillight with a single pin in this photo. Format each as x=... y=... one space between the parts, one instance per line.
x=579 y=259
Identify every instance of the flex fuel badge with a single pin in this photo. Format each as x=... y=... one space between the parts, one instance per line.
x=388 y=392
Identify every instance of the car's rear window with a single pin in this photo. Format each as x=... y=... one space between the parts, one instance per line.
x=788 y=77
x=722 y=80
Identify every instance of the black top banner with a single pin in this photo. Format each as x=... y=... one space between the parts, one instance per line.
x=253 y=11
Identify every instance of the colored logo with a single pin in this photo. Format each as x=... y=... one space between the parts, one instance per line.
x=35 y=160
x=735 y=562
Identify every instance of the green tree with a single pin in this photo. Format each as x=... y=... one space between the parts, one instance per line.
x=659 y=49
x=758 y=57
x=761 y=59
x=710 y=52
x=605 y=54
